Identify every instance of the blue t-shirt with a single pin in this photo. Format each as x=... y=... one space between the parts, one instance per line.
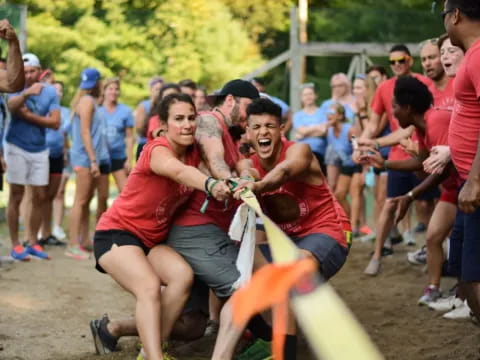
x=116 y=123
x=283 y=105
x=341 y=144
x=146 y=105
x=78 y=154
x=56 y=138
x=24 y=134
x=301 y=118
x=327 y=104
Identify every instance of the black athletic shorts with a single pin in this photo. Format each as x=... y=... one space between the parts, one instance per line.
x=117 y=164
x=104 y=168
x=350 y=170
x=103 y=241
x=56 y=165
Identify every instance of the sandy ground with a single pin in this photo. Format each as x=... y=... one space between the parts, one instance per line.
x=45 y=308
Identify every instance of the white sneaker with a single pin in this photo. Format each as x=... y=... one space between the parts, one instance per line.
x=408 y=238
x=59 y=233
x=418 y=257
x=446 y=304
x=461 y=312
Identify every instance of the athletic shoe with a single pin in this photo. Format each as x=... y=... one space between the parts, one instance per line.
x=373 y=267
x=394 y=237
x=51 y=241
x=366 y=230
x=166 y=356
x=258 y=350
x=59 y=233
x=430 y=294
x=446 y=304
x=212 y=328
x=20 y=253
x=368 y=238
x=420 y=228
x=408 y=238
x=77 y=253
x=37 y=251
x=418 y=257
x=386 y=251
x=104 y=342
x=6 y=260
x=461 y=312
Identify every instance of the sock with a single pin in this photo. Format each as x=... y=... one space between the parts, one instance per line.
x=259 y=328
x=290 y=347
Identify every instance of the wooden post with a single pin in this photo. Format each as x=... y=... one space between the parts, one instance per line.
x=296 y=62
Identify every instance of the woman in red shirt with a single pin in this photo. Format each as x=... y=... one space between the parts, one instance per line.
x=128 y=239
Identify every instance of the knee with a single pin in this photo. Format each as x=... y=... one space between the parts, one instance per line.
x=150 y=290
x=389 y=206
x=16 y=197
x=339 y=194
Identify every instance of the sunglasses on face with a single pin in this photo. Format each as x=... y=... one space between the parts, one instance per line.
x=445 y=12
x=399 y=60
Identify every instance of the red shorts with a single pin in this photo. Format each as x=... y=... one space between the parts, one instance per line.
x=449 y=195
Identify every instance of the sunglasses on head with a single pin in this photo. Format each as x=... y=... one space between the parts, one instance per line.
x=399 y=60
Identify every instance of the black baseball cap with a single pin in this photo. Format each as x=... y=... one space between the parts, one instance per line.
x=237 y=87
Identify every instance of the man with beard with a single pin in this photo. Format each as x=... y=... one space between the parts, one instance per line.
x=293 y=191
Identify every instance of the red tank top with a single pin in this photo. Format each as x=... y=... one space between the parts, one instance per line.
x=148 y=202
x=317 y=209
x=218 y=213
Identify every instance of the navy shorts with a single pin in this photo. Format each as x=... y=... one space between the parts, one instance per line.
x=56 y=165
x=117 y=164
x=401 y=182
x=464 y=255
x=328 y=252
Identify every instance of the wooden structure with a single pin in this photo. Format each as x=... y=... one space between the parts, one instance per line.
x=298 y=51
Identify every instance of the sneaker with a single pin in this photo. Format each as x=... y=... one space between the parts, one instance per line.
x=408 y=238
x=461 y=312
x=77 y=253
x=6 y=260
x=212 y=328
x=366 y=230
x=37 y=251
x=368 y=238
x=104 y=342
x=20 y=253
x=258 y=350
x=386 y=251
x=446 y=304
x=420 y=228
x=166 y=356
x=430 y=294
x=59 y=233
x=394 y=237
x=51 y=241
x=418 y=257
x=373 y=267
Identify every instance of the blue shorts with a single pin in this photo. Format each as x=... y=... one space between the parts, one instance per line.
x=328 y=252
x=401 y=182
x=464 y=255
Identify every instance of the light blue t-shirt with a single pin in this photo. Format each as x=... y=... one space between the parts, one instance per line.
x=146 y=105
x=301 y=118
x=327 y=104
x=341 y=144
x=116 y=123
x=56 y=138
x=283 y=105
x=24 y=134
x=78 y=154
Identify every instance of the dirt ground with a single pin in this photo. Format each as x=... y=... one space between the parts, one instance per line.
x=45 y=308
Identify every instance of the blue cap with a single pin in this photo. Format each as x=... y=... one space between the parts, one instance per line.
x=89 y=78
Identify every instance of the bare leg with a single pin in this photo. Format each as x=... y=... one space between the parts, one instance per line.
x=424 y=209
x=129 y=266
x=343 y=184
x=26 y=213
x=102 y=196
x=120 y=177
x=439 y=227
x=356 y=194
x=51 y=192
x=13 y=211
x=59 y=203
x=332 y=175
x=39 y=196
x=384 y=224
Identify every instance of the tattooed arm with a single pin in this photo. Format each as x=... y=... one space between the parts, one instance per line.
x=209 y=138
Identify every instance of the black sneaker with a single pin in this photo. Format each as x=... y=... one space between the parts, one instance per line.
x=386 y=251
x=104 y=342
x=51 y=241
x=420 y=228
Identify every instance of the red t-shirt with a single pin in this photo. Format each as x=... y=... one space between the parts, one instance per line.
x=218 y=213
x=148 y=201
x=382 y=102
x=437 y=122
x=318 y=210
x=153 y=124
x=465 y=123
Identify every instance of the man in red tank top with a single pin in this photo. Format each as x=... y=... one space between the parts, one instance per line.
x=200 y=233
x=293 y=192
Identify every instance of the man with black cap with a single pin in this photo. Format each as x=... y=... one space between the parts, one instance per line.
x=26 y=154
x=200 y=233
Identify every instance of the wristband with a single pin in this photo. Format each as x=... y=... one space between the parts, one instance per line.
x=376 y=145
x=206 y=184
x=385 y=165
x=247 y=177
x=212 y=186
x=94 y=161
